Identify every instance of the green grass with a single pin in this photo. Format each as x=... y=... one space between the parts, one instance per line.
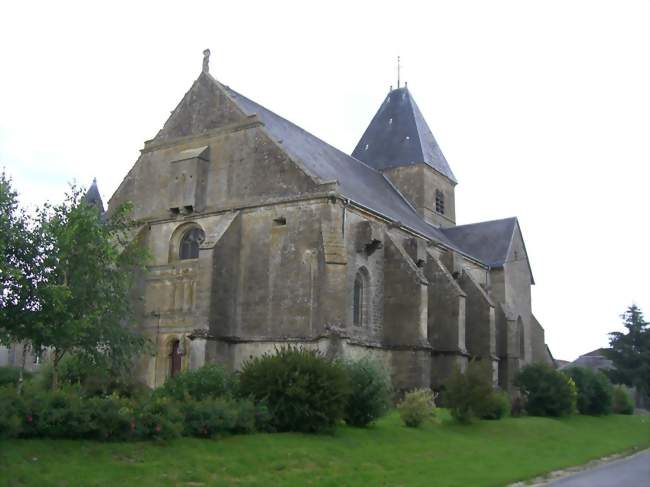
x=488 y=453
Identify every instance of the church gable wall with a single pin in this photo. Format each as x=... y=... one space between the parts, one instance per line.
x=237 y=168
x=538 y=343
x=516 y=288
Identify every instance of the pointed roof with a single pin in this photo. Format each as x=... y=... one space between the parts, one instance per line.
x=489 y=241
x=92 y=196
x=398 y=135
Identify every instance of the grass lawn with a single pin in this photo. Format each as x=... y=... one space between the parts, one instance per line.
x=488 y=453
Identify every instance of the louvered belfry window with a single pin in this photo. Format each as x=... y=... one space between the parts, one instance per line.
x=440 y=202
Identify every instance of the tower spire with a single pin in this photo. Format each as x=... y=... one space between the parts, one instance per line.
x=398 y=72
x=206 y=61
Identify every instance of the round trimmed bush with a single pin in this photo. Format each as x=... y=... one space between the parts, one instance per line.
x=547 y=392
x=370 y=392
x=416 y=407
x=594 y=391
x=622 y=402
x=303 y=390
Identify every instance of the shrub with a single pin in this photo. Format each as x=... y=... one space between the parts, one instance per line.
x=547 y=392
x=55 y=414
x=158 y=418
x=370 y=392
x=10 y=408
x=468 y=395
x=416 y=407
x=622 y=403
x=209 y=417
x=594 y=391
x=11 y=376
x=93 y=379
x=212 y=417
x=110 y=418
x=496 y=406
x=302 y=389
x=210 y=381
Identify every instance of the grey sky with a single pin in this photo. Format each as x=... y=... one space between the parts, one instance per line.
x=541 y=108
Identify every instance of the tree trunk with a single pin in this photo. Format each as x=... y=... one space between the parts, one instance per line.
x=55 y=368
x=22 y=369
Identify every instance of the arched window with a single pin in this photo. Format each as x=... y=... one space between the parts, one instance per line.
x=440 y=202
x=360 y=298
x=174 y=358
x=189 y=247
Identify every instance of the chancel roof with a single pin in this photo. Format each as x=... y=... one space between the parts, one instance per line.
x=488 y=241
x=398 y=135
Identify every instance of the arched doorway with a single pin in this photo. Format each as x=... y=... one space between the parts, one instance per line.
x=175 y=358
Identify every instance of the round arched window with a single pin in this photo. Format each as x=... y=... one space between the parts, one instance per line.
x=190 y=243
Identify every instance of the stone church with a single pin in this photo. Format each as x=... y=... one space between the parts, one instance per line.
x=263 y=235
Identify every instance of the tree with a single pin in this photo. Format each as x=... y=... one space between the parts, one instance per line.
x=22 y=270
x=630 y=352
x=83 y=298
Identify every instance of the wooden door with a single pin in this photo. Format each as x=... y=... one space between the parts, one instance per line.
x=175 y=358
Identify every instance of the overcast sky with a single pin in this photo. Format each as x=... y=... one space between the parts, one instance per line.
x=541 y=108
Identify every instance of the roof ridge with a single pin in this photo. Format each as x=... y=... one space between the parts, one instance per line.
x=298 y=127
x=483 y=222
x=414 y=107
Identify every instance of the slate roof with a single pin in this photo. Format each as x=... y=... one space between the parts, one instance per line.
x=488 y=241
x=595 y=360
x=398 y=135
x=357 y=181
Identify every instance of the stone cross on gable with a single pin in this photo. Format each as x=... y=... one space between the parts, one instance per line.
x=206 y=61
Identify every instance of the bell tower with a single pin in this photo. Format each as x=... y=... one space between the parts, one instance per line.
x=399 y=143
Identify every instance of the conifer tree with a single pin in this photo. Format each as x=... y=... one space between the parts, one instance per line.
x=630 y=352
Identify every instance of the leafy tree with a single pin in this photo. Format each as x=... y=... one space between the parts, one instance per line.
x=547 y=392
x=84 y=303
x=66 y=279
x=630 y=352
x=594 y=391
x=22 y=269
